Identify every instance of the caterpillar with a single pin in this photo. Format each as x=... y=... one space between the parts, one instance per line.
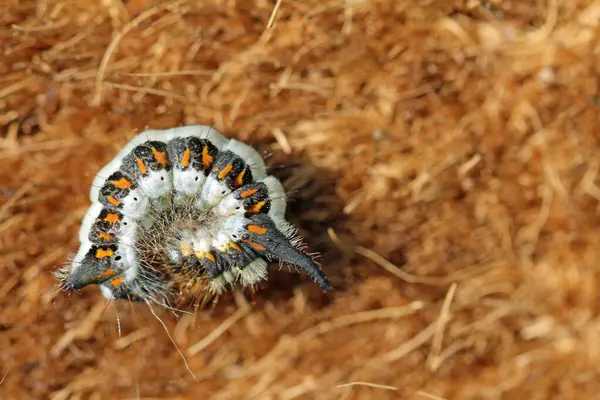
x=183 y=210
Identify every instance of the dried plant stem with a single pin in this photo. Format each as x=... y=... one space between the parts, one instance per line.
x=218 y=331
x=368 y=384
x=274 y=14
x=433 y=360
x=97 y=96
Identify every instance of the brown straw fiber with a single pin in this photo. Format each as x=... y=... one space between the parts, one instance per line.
x=442 y=156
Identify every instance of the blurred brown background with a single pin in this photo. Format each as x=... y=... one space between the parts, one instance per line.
x=441 y=156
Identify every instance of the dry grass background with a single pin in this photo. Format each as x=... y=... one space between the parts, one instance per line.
x=442 y=156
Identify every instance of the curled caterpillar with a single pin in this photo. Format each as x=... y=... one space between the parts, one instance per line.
x=183 y=210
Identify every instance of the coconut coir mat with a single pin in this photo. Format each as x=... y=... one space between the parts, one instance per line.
x=442 y=156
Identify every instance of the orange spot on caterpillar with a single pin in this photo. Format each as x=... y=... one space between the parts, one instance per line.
x=113 y=201
x=141 y=166
x=255 y=209
x=107 y=273
x=160 y=157
x=106 y=236
x=239 y=178
x=101 y=253
x=225 y=171
x=256 y=246
x=186 y=248
x=185 y=160
x=259 y=230
x=205 y=255
x=235 y=246
x=248 y=193
x=112 y=218
x=122 y=183
x=116 y=282
x=207 y=159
